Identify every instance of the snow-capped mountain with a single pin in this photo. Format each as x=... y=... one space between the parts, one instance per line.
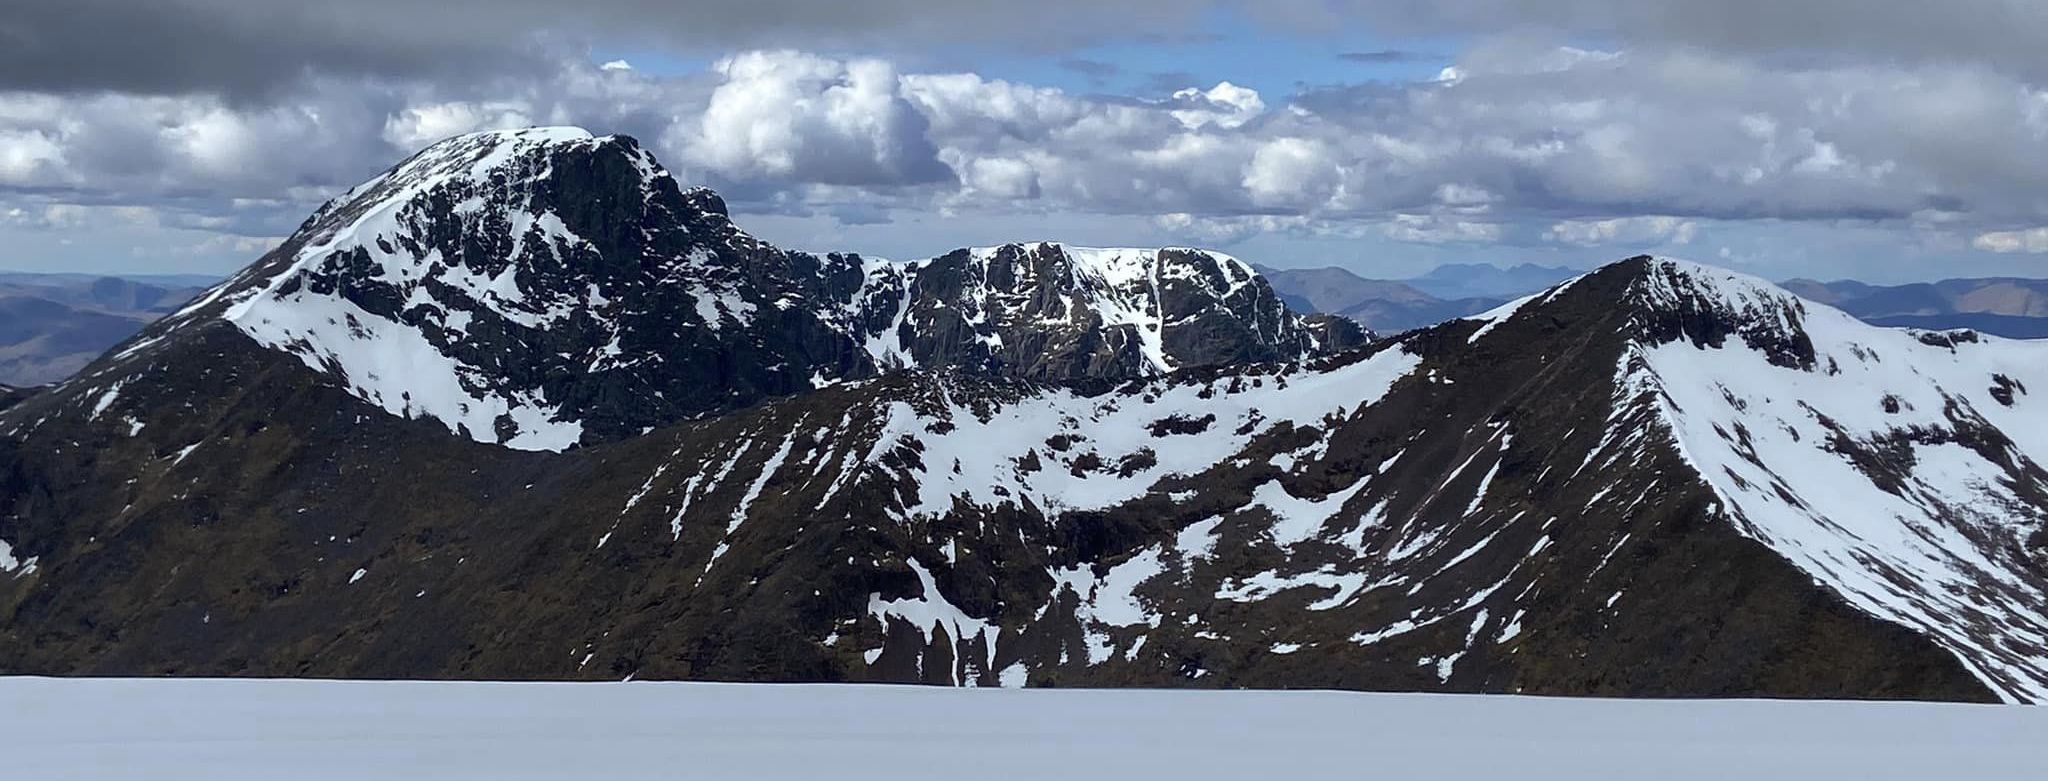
x=543 y=288
x=1656 y=479
x=1900 y=468
x=1053 y=311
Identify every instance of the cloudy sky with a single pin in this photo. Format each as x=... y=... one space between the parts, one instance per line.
x=1885 y=140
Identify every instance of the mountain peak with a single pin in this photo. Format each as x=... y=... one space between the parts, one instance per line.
x=505 y=282
x=546 y=288
x=1678 y=299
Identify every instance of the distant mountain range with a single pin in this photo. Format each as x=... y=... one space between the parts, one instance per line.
x=2002 y=306
x=52 y=324
x=2005 y=306
x=1382 y=305
x=1453 y=281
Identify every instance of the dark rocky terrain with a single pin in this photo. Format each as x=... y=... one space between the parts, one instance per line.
x=1657 y=480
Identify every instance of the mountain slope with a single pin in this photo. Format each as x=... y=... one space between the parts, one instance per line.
x=1554 y=497
x=544 y=289
x=354 y=459
x=1902 y=469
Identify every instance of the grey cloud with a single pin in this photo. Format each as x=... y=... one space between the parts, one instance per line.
x=2009 y=35
x=258 y=48
x=242 y=49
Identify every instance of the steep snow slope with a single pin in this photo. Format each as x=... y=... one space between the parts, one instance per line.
x=1900 y=468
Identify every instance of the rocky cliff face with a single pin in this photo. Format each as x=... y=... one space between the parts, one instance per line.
x=1051 y=311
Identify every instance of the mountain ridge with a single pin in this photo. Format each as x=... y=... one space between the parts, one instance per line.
x=1654 y=479
x=523 y=286
x=1356 y=513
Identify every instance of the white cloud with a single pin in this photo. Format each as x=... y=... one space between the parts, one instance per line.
x=28 y=156
x=1439 y=229
x=795 y=116
x=1643 y=231
x=1292 y=172
x=2032 y=241
x=1225 y=231
x=1225 y=105
x=417 y=126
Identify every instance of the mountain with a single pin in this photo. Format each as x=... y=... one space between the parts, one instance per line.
x=52 y=324
x=2006 y=306
x=545 y=289
x=1485 y=280
x=1657 y=479
x=1385 y=306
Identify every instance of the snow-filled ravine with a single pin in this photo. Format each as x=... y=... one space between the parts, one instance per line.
x=165 y=729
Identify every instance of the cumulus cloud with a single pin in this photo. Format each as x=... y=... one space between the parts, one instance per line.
x=1524 y=144
x=1291 y=172
x=1225 y=105
x=794 y=116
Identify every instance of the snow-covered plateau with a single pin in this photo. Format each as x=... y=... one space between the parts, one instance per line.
x=225 y=729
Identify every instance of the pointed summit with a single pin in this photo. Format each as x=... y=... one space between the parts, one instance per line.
x=545 y=288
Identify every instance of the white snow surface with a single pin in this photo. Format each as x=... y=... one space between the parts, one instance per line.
x=16 y=566
x=1938 y=555
x=191 y=729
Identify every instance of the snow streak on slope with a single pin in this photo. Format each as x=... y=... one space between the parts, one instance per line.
x=1901 y=469
x=1055 y=452
x=1096 y=452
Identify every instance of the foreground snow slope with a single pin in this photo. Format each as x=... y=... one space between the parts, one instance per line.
x=219 y=729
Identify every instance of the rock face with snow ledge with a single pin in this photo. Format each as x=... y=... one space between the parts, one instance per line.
x=1657 y=479
x=1051 y=311
x=543 y=288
